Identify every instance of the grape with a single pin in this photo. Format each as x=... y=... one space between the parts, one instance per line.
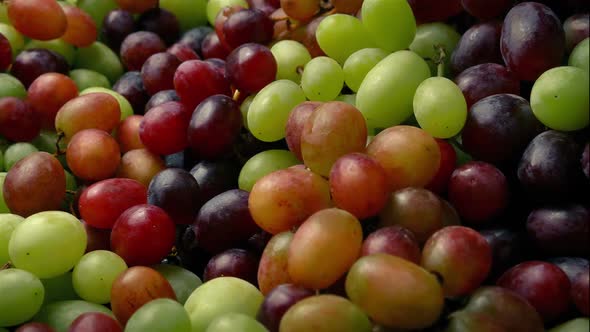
x=34 y=243
x=251 y=67
x=559 y=98
x=231 y=321
x=16 y=152
x=61 y=314
x=81 y=30
x=213 y=48
x=277 y=302
x=485 y=10
x=100 y=58
x=341 y=35
x=442 y=120
x=93 y=110
x=16 y=40
x=183 y=52
x=137 y=7
x=95 y=322
x=131 y=87
x=395 y=293
x=431 y=38
x=220 y=296
x=272 y=269
x=18 y=121
x=196 y=80
x=301 y=10
x=386 y=94
x=160 y=98
x=194 y=37
x=262 y=164
x=95 y=273
x=580 y=294
x=138 y=46
x=116 y=26
x=295 y=123
x=33 y=327
x=161 y=22
x=176 y=191
x=32 y=63
x=49 y=20
x=322 y=79
x=190 y=13
x=579 y=56
x=394 y=17
x=48 y=93
x=484 y=80
x=576 y=324
x=58 y=46
x=434 y=10
x=576 y=28
x=124 y=105
x=393 y=240
x=5 y=53
x=93 y=154
x=157 y=73
x=215 y=6
x=237 y=263
x=127 y=134
x=479 y=44
x=97 y=9
x=291 y=57
x=163 y=128
x=140 y=165
x=359 y=64
x=215 y=177
x=542 y=48
x=247 y=26
x=11 y=87
x=448 y=160
x=8 y=223
x=310 y=40
x=268 y=113
x=160 y=315
x=22 y=296
x=183 y=281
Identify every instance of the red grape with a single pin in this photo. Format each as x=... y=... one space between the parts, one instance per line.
x=98 y=239
x=272 y=269
x=158 y=71
x=507 y=248
x=195 y=80
x=81 y=31
x=247 y=26
x=484 y=9
x=137 y=6
x=301 y=10
x=393 y=240
x=89 y=111
x=163 y=128
x=194 y=37
x=183 y=52
x=212 y=47
x=5 y=53
x=215 y=177
x=161 y=97
x=138 y=46
x=577 y=28
x=35 y=327
x=251 y=67
x=93 y=155
x=127 y=133
x=140 y=165
x=37 y=19
x=95 y=322
x=18 y=121
x=238 y=263
x=297 y=118
x=48 y=93
x=448 y=161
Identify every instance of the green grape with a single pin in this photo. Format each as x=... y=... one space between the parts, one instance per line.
x=214 y=6
x=61 y=314
x=59 y=46
x=59 y=288
x=97 y=9
x=100 y=58
x=16 y=152
x=581 y=324
x=391 y=24
x=322 y=79
x=385 y=97
x=220 y=296
x=340 y=35
x=48 y=243
x=349 y=99
x=86 y=78
x=429 y=37
x=3 y=14
x=190 y=13
x=8 y=223
x=124 y=105
x=16 y=40
x=359 y=64
x=264 y=163
x=3 y=207
x=10 y=86
x=235 y=322
x=183 y=281
x=45 y=141
x=440 y=107
x=269 y=111
x=291 y=57
x=160 y=315
x=244 y=109
x=22 y=296
x=559 y=98
x=95 y=273
x=580 y=56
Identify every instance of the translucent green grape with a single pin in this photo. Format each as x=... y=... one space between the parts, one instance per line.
x=3 y=207
x=35 y=244
x=16 y=40
x=391 y=24
x=386 y=95
x=190 y=13
x=86 y=78
x=291 y=57
x=59 y=46
x=269 y=111
x=160 y=315
x=431 y=36
x=8 y=223
x=322 y=79
x=100 y=58
x=559 y=98
x=244 y=107
x=59 y=288
x=349 y=99
x=359 y=64
x=16 y=152
x=264 y=163
x=235 y=322
x=10 y=86
x=440 y=107
x=97 y=9
x=183 y=281
x=341 y=35
x=581 y=324
x=22 y=296
x=580 y=56
x=214 y=6
x=61 y=314
x=95 y=273
x=124 y=105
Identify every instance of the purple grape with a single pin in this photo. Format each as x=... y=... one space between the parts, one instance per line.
x=161 y=97
x=251 y=67
x=32 y=63
x=131 y=86
x=138 y=47
x=506 y=249
x=486 y=9
x=577 y=28
x=484 y=80
x=479 y=44
x=194 y=38
x=116 y=26
x=161 y=22
x=177 y=192
x=277 y=302
x=238 y=263
x=215 y=177
x=572 y=266
x=248 y=26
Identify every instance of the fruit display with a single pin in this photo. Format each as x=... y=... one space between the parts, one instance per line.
x=294 y=166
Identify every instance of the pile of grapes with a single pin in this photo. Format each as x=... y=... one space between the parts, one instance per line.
x=294 y=166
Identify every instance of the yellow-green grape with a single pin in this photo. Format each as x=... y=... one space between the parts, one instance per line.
x=560 y=100
x=214 y=6
x=431 y=36
x=59 y=288
x=581 y=324
x=15 y=39
x=291 y=57
x=8 y=223
x=61 y=314
x=322 y=79
x=235 y=322
x=349 y=99
x=124 y=105
x=3 y=207
x=97 y=9
x=390 y=23
x=264 y=163
x=10 y=86
x=183 y=281
x=190 y=13
x=580 y=56
x=21 y=296
x=244 y=107
x=159 y=315
x=359 y=64
x=100 y=58
x=341 y=35
x=95 y=273
x=17 y=151
x=440 y=107
x=59 y=46
x=86 y=78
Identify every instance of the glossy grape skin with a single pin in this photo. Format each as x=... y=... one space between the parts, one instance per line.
x=544 y=285
x=103 y=202
x=22 y=298
x=61 y=314
x=157 y=72
x=528 y=57
x=277 y=302
x=580 y=55
x=262 y=164
x=484 y=80
x=247 y=26
x=35 y=327
x=100 y=58
x=215 y=177
x=183 y=52
x=341 y=35
x=19 y=121
x=177 y=192
x=251 y=67
x=98 y=239
x=212 y=47
x=94 y=275
x=183 y=281
x=95 y=322
x=163 y=128
x=81 y=30
x=131 y=87
x=93 y=154
x=479 y=44
x=32 y=63
x=272 y=269
x=393 y=240
x=140 y=165
x=48 y=93
x=88 y=111
x=560 y=230
x=138 y=46
x=571 y=266
x=238 y=263
x=194 y=38
x=576 y=28
x=507 y=249
x=48 y=17
x=117 y=25
x=294 y=127
x=161 y=22
x=161 y=97
x=196 y=80
x=127 y=133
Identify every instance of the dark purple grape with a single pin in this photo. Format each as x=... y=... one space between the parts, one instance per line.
x=585 y=160
x=581 y=292
x=277 y=302
x=138 y=47
x=248 y=26
x=257 y=242
x=161 y=22
x=560 y=230
x=193 y=257
x=486 y=9
x=177 y=192
x=32 y=63
x=218 y=64
x=238 y=263
x=116 y=26
x=215 y=177
x=158 y=71
x=532 y=41
x=479 y=44
x=224 y=222
x=550 y=169
x=251 y=67
x=434 y=10
x=577 y=28
x=572 y=266
x=506 y=248
x=18 y=121
x=213 y=48
x=161 y=97
x=214 y=127
x=183 y=159
x=131 y=86
x=194 y=38
x=499 y=128
x=484 y=80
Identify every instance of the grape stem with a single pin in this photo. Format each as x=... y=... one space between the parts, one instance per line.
x=439 y=60
x=58 y=150
x=236 y=95
x=6 y=266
